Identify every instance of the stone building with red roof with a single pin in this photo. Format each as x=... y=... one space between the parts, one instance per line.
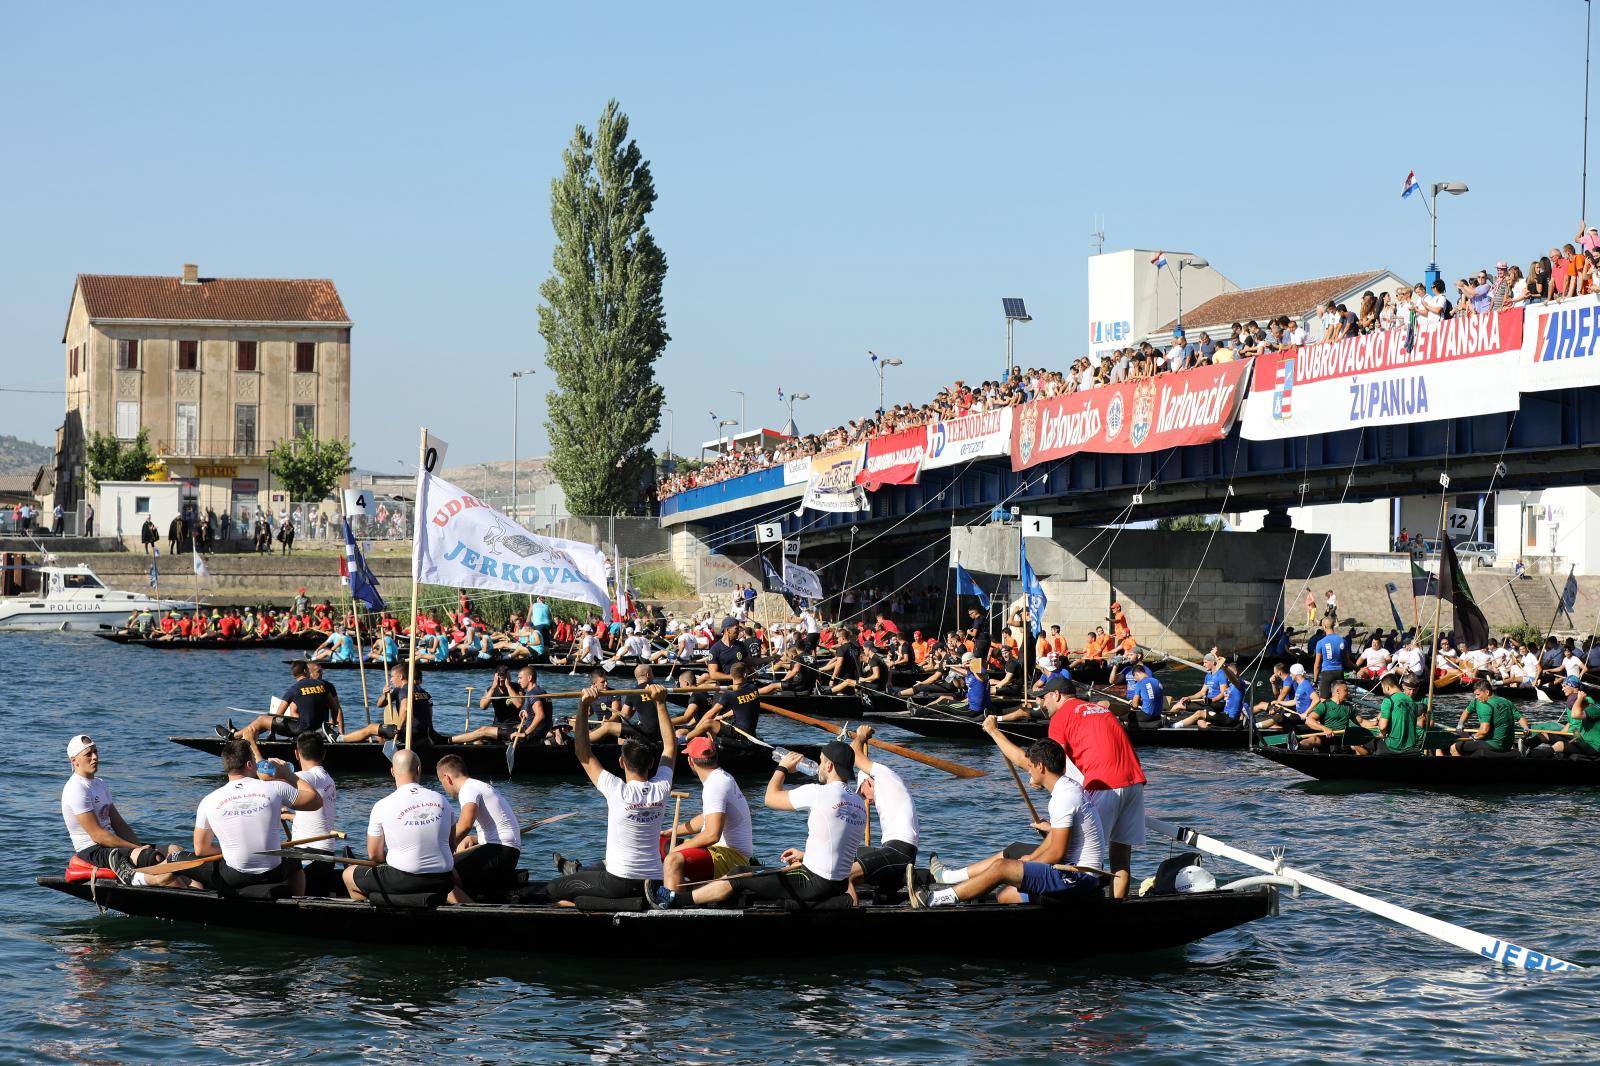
x=220 y=371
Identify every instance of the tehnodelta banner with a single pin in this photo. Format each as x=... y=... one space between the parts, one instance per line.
x=1466 y=366
x=1563 y=346
x=1152 y=414
x=960 y=440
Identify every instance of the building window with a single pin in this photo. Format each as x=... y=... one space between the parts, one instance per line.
x=141 y=505
x=188 y=355
x=244 y=429
x=305 y=419
x=305 y=357
x=127 y=355
x=73 y=372
x=245 y=358
x=187 y=426
x=127 y=419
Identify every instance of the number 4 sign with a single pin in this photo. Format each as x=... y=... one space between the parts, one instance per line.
x=358 y=501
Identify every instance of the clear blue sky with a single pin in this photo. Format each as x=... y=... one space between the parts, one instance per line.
x=831 y=179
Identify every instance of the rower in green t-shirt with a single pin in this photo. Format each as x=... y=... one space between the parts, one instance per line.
x=1396 y=726
x=1496 y=735
x=1582 y=739
x=1328 y=720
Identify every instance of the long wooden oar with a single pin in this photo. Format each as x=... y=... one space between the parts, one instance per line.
x=1018 y=779
x=547 y=821
x=739 y=877
x=175 y=867
x=954 y=769
x=344 y=860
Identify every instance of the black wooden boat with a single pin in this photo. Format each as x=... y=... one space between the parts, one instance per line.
x=953 y=728
x=282 y=641
x=489 y=760
x=614 y=670
x=1433 y=771
x=1082 y=928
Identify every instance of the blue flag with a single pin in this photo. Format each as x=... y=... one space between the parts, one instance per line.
x=155 y=579
x=1036 y=597
x=363 y=586
x=966 y=586
x=1569 y=595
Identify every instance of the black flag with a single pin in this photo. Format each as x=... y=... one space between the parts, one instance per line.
x=1471 y=627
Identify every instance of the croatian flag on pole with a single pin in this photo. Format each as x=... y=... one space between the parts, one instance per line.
x=1159 y=260
x=353 y=570
x=464 y=543
x=1411 y=184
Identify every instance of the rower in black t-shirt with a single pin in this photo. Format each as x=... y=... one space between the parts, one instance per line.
x=724 y=654
x=310 y=701
x=742 y=698
x=393 y=701
x=634 y=717
x=846 y=665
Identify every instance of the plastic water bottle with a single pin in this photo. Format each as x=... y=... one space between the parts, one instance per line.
x=267 y=769
x=806 y=766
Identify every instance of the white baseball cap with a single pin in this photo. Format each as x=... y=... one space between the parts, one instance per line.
x=1297 y=669
x=79 y=744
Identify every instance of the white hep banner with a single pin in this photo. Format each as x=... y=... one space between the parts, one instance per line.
x=1467 y=366
x=1562 y=350
x=801 y=581
x=464 y=543
x=960 y=440
x=797 y=471
x=832 y=486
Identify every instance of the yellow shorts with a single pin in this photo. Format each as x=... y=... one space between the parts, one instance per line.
x=725 y=859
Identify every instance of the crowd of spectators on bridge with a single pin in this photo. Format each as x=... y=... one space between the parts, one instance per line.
x=1568 y=271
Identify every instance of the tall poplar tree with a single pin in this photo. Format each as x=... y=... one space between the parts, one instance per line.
x=602 y=321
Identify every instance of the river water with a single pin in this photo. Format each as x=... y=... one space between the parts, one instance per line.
x=1321 y=982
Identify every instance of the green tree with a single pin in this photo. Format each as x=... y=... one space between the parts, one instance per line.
x=309 y=468
x=1190 y=523
x=602 y=321
x=110 y=459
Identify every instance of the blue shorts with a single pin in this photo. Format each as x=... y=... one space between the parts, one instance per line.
x=1041 y=879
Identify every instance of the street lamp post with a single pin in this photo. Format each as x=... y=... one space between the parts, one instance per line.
x=883 y=365
x=1015 y=312
x=516 y=422
x=739 y=394
x=1454 y=188
x=1197 y=264
x=668 y=411
x=725 y=441
x=789 y=427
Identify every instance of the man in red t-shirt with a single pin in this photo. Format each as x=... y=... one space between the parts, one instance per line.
x=1113 y=781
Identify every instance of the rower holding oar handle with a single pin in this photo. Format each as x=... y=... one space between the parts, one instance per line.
x=175 y=866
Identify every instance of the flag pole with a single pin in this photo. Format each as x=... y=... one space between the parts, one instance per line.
x=416 y=534
x=355 y=612
x=1438 y=606
x=1027 y=621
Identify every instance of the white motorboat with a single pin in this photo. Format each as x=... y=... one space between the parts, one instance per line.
x=73 y=598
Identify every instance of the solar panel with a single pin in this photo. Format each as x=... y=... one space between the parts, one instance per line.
x=1014 y=309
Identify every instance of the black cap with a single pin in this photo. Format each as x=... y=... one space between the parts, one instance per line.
x=1063 y=685
x=843 y=757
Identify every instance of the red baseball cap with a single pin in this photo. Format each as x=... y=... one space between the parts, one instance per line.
x=701 y=748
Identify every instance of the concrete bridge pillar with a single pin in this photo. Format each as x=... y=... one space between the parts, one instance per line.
x=1276 y=520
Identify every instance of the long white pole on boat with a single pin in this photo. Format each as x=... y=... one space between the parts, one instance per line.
x=1496 y=950
x=416 y=539
x=1438 y=608
x=355 y=614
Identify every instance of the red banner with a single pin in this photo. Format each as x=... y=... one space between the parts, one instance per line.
x=1169 y=411
x=895 y=459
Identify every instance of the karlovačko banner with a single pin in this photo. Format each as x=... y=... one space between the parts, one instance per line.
x=893 y=459
x=959 y=440
x=1189 y=407
x=1562 y=350
x=1465 y=366
x=832 y=486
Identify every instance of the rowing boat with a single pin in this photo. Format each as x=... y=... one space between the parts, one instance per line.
x=1083 y=928
x=489 y=760
x=952 y=728
x=283 y=641
x=1434 y=771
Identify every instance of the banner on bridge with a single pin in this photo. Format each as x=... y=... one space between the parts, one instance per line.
x=960 y=440
x=832 y=485
x=1563 y=346
x=893 y=459
x=1467 y=366
x=1189 y=407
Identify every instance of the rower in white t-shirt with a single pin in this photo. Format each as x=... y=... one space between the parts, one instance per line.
x=720 y=838
x=884 y=867
x=100 y=836
x=1375 y=659
x=489 y=865
x=408 y=834
x=636 y=807
x=241 y=821
x=836 y=818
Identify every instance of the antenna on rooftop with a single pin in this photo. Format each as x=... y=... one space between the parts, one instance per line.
x=1097 y=238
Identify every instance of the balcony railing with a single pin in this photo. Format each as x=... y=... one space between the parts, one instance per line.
x=238 y=447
